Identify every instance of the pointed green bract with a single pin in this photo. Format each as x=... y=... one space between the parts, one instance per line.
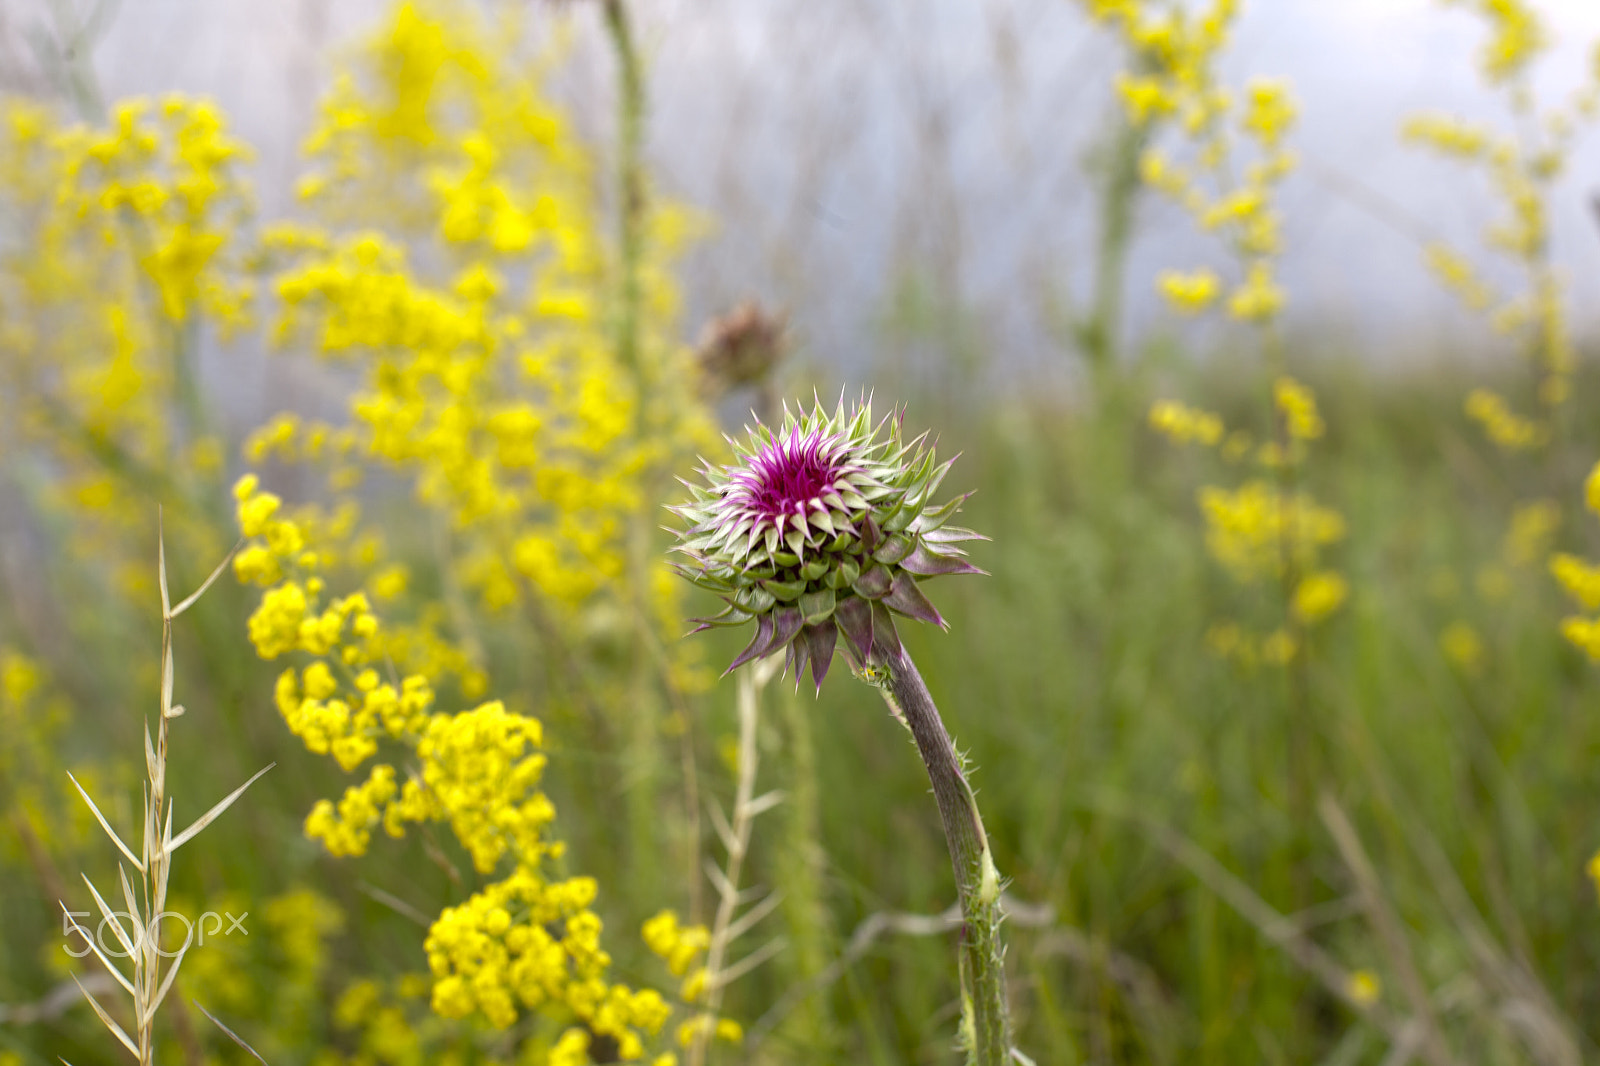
x=821 y=528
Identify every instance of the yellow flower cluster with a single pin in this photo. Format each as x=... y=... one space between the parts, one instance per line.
x=524 y=942
x=459 y=271
x=1256 y=531
x=1533 y=526
x=1522 y=168
x=1449 y=135
x=1318 y=595
x=1503 y=426
x=1298 y=407
x=301 y=921
x=1174 y=53
x=491 y=379
x=1460 y=277
x=1516 y=37
x=1580 y=579
x=1263 y=529
x=1182 y=424
x=33 y=781
x=678 y=945
x=1230 y=641
x=1190 y=293
x=119 y=243
x=1463 y=646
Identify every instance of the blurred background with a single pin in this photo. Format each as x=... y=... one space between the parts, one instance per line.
x=858 y=158
x=1240 y=825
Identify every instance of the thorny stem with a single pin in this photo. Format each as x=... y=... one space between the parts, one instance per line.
x=986 y=1025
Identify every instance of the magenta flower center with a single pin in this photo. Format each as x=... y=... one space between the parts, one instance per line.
x=787 y=475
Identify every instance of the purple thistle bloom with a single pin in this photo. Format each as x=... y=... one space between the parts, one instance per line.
x=825 y=525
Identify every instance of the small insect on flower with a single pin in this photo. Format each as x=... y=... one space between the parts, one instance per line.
x=824 y=524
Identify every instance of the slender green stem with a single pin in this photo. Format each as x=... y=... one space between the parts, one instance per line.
x=1100 y=332
x=631 y=205
x=986 y=1024
x=644 y=760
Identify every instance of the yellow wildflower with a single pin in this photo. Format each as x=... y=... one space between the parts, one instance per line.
x=1318 y=595
x=1184 y=425
x=1364 y=988
x=1462 y=646
x=1298 y=406
x=1259 y=298
x=1191 y=292
x=1269 y=111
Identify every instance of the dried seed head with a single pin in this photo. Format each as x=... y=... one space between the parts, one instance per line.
x=824 y=525
x=741 y=347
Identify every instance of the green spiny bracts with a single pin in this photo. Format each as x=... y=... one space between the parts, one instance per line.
x=824 y=525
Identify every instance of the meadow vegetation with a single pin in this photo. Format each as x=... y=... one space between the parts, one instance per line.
x=1279 y=695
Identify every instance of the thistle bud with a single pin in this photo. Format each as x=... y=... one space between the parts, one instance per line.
x=825 y=525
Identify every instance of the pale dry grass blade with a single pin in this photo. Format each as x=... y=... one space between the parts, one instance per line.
x=149 y=753
x=189 y=600
x=763 y=803
x=95 y=947
x=60 y=999
x=1390 y=932
x=730 y=974
x=719 y=822
x=167 y=667
x=111 y=916
x=394 y=903
x=231 y=1034
x=749 y=918
x=874 y=926
x=110 y=1022
x=1278 y=928
x=161 y=565
x=166 y=982
x=174 y=843
x=127 y=889
x=106 y=825
x=148 y=986
x=719 y=880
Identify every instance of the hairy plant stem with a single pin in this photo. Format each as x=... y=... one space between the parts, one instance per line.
x=986 y=1024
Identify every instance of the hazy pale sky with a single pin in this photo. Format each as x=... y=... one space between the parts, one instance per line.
x=843 y=142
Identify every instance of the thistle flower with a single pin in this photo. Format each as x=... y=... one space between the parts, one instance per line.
x=824 y=525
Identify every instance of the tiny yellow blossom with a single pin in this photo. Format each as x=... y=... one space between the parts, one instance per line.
x=1533 y=526
x=1259 y=298
x=1363 y=988
x=1190 y=293
x=1269 y=111
x=1510 y=431
x=1298 y=406
x=1279 y=647
x=1319 y=595
x=1462 y=646
x=1185 y=425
